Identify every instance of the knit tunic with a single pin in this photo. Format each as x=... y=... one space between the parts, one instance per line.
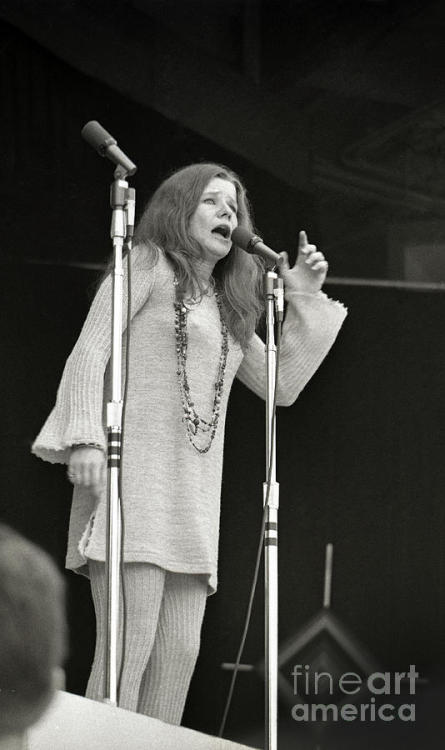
x=170 y=492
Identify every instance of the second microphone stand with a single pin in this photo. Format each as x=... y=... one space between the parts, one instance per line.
x=122 y=199
x=274 y=301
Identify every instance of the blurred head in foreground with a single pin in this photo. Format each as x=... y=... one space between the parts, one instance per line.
x=32 y=632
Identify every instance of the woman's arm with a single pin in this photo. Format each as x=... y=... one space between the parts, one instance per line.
x=77 y=414
x=309 y=330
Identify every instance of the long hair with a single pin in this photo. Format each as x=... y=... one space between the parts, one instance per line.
x=165 y=223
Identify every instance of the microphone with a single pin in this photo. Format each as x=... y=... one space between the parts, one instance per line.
x=106 y=145
x=253 y=244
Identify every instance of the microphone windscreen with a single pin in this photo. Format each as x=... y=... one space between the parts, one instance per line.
x=97 y=136
x=242 y=237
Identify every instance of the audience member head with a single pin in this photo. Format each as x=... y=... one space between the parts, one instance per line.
x=32 y=631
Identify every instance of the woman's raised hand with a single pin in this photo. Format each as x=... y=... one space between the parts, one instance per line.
x=309 y=272
x=87 y=468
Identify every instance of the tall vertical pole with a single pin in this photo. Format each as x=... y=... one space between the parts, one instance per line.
x=119 y=192
x=271 y=501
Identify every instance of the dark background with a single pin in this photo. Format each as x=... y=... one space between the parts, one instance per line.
x=332 y=114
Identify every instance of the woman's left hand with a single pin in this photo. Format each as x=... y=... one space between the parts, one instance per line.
x=309 y=272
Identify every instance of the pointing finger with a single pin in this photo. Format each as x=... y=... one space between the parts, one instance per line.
x=302 y=240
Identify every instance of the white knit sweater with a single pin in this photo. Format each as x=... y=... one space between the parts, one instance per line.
x=171 y=493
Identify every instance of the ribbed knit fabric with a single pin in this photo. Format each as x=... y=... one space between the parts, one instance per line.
x=163 y=626
x=171 y=493
x=175 y=651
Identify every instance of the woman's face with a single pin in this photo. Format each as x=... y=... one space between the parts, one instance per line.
x=215 y=218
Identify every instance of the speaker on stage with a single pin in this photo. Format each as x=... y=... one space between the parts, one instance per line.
x=72 y=722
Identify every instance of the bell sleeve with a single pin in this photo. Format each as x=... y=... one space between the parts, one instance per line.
x=310 y=328
x=77 y=416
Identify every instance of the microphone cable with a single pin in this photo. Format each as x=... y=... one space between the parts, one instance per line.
x=260 y=544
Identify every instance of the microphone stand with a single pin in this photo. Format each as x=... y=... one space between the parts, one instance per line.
x=122 y=202
x=273 y=292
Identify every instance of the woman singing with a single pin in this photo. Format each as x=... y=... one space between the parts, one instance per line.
x=196 y=300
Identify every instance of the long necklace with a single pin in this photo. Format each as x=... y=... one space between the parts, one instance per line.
x=193 y=422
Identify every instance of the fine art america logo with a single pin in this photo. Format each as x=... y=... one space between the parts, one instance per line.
x=381 y=696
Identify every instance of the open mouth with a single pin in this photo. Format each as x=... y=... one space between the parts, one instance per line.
x=223 y=230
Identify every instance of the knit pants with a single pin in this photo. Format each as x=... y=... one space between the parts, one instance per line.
x=164 y=613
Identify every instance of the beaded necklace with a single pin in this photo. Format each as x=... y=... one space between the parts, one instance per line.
x=193 y=422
